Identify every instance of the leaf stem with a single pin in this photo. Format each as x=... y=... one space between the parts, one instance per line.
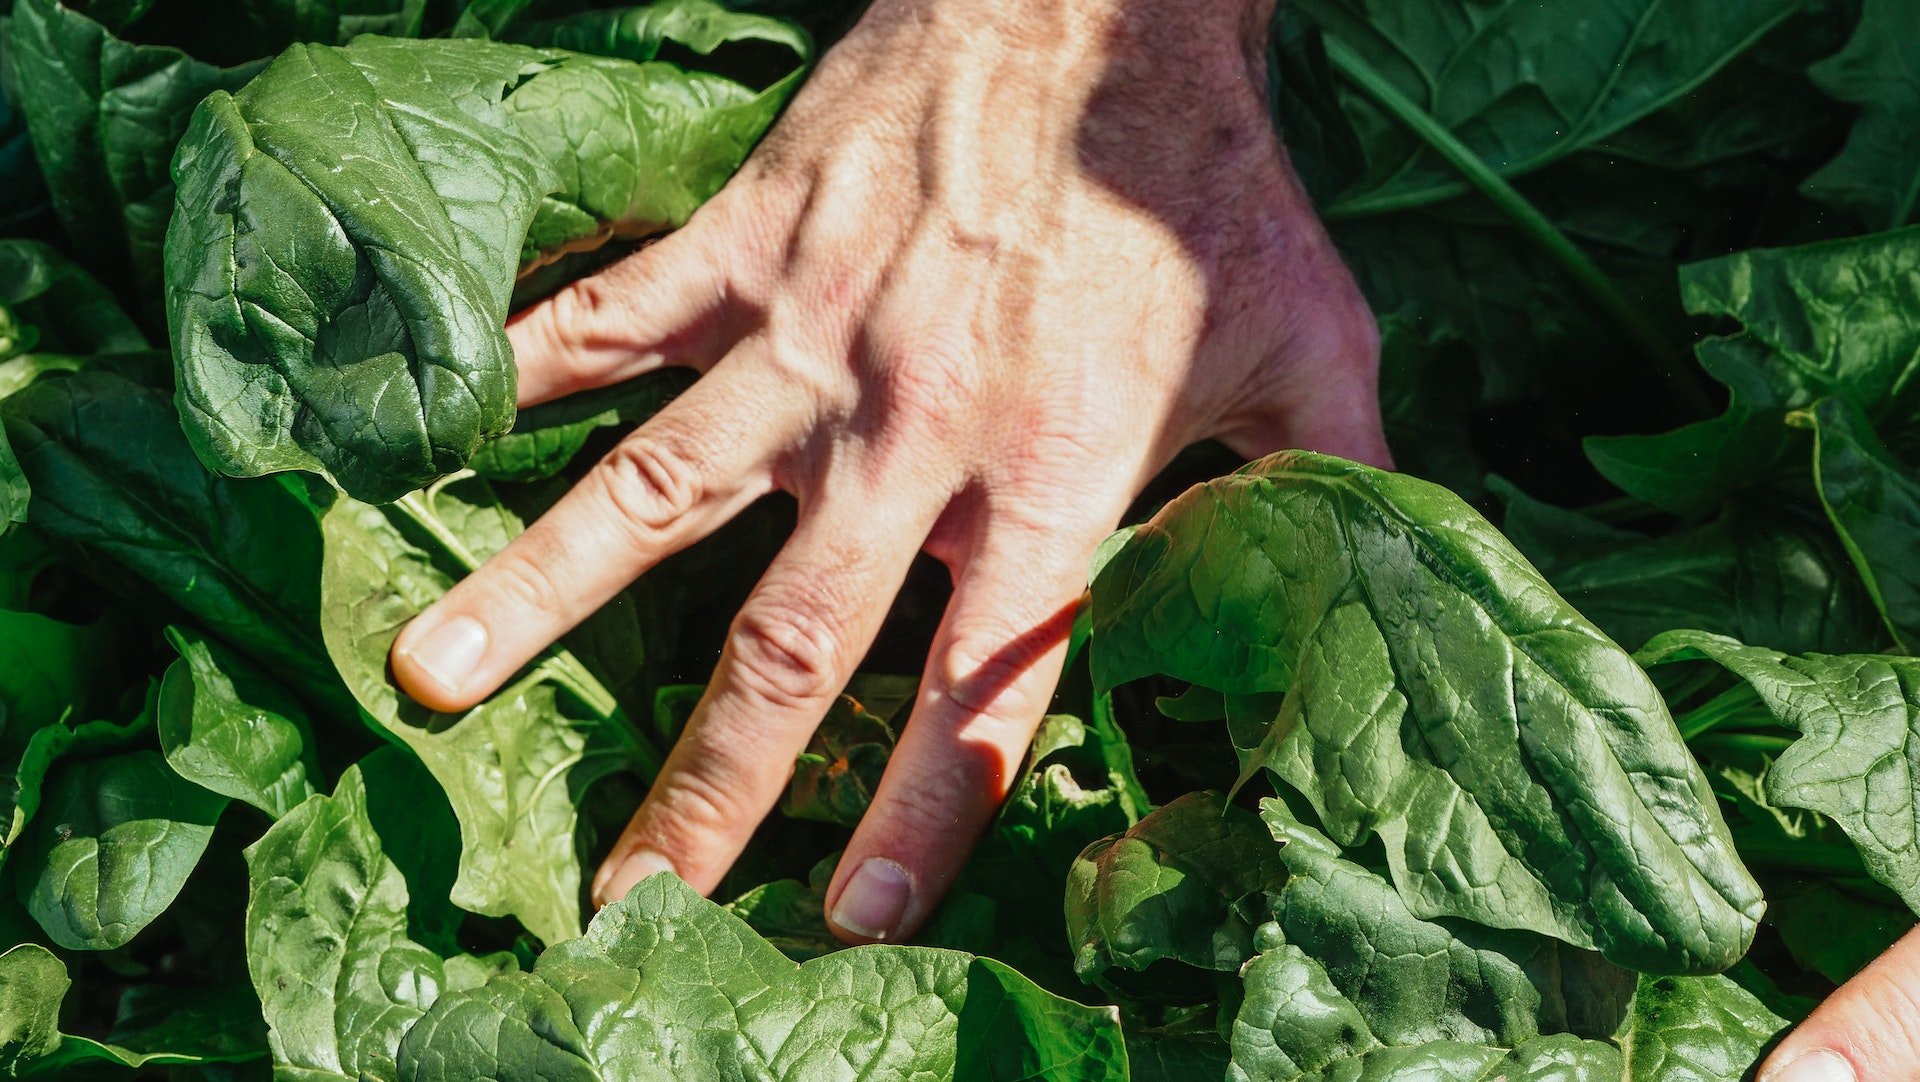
x=1755 y=743
x=1724 y=709
x=1647 y=337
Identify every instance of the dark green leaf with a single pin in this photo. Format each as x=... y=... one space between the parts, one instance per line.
x=699 y=995
x=1829 y=319
x=229 y=729
x=1761 y=572
x=104 y=115
x=1513 y=86
x=305 y=341
x=1877 y=175
x=1520 y=769
x=111 y=471
x=1873 y=500
x=33 y=983
x=1186 y=884
x=113 y=844
x=834 y=779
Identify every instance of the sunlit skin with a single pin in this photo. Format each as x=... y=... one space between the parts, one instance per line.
x=994 y=268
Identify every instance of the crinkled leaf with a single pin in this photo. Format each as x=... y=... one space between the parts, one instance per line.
x=351 y=224
x=328 y=941
x=1877 y=174
x=1695 y=1029
x=113 y=844
x=1186 y=884
x=112 y=472
x=1520 y=769
x=1417 y=981
x=1857 y=760
x=231 y=730
x=1837 y=318
x=668 y=985
x=514 y=767
x=1873 y=500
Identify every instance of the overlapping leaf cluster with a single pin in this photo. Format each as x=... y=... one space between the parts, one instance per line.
x=1346 y=783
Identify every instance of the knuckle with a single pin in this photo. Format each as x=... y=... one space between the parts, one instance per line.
x=651 y=485
x=694 y=808
x=786 y=655
x=529 y=581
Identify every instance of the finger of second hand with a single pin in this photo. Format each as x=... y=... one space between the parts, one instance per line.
x=791 y=650
x=673 y=481
x=1869 y=1029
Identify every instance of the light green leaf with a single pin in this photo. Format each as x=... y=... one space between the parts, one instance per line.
x=328 y=941
x=229 y=729
x=1521 y=771
x=667 y=985
x=515 y=767
x=113 y=844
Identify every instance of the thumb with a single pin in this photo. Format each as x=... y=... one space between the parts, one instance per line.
x=1867 y=1031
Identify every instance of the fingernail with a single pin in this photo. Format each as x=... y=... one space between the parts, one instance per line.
x=1816 y=1066
x=875 y=899
x=615 y=880
x=448 y=653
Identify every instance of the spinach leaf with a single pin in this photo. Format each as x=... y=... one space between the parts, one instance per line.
x=1758 y=572
x=545 y=438
x=113 y=844
x=700 y=994
x=834 y=779
x=1418 y=981
x=327 y=925
x=1830 y=319
x=351 y=223
x=1509 y=85
x=1185 y=884
x=33 y=984
x=55 y=307
x=104 y=115
x=112 y=471
x=231 y=730
x=1521 y=771
x=30 y=754
x=515 y=767
x=1349 y=984
x=1877 y=174
x=1874 y=502
x=1858 y=720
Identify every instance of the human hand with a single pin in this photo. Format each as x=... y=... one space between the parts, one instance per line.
x=997 y=265
x=1868 y=1031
